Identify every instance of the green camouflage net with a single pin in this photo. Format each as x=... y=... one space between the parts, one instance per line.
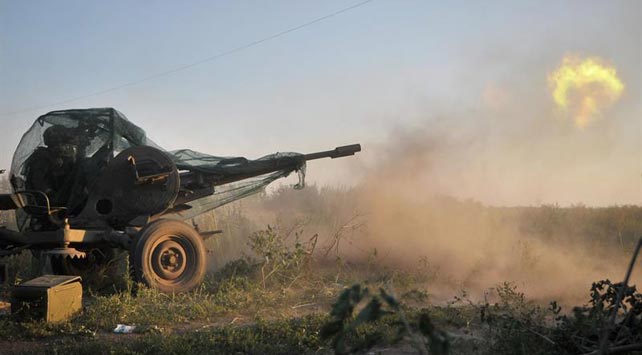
x=69 y=149
x=186 y=159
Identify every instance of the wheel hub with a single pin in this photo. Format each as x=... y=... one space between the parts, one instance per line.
x=169 y=260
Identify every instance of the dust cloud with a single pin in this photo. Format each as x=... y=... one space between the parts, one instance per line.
x=548 y=251
x=503 y=190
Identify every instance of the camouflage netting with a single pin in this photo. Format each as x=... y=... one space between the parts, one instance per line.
x=186 y=159
x=69 y=149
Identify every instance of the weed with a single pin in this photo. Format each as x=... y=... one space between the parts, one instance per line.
x=344 y=325
x=515 y=324
x=278 y=260
x=581 y=331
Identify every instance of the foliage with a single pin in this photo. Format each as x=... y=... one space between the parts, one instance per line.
x=514 y=323
x=278 y=259
x=343 y=324
x=582 y=331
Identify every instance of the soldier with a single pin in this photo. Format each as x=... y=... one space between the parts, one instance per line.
x=52 y=169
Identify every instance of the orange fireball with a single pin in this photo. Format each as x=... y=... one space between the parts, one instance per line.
x=583 y=88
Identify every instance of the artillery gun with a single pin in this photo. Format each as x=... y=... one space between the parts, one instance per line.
x=88 y=182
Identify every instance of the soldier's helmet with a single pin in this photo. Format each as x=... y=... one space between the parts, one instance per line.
x=58 y=135
x=63 y=143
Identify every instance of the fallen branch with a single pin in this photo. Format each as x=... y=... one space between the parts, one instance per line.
x=541 y=336
x=303 y=305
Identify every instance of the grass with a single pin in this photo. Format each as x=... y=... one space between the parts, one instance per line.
x=294 y=336
x=233 y=312
x=270 y=317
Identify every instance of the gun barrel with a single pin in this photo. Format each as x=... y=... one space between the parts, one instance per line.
x=247 y=169
x=337 y=152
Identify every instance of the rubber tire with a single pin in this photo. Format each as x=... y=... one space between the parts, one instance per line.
x=148 y=241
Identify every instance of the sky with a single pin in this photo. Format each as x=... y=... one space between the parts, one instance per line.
x=378 y=74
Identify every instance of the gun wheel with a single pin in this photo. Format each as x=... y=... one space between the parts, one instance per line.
x=169 y=256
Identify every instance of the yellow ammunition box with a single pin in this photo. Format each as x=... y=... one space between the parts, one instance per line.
x=53 y=298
